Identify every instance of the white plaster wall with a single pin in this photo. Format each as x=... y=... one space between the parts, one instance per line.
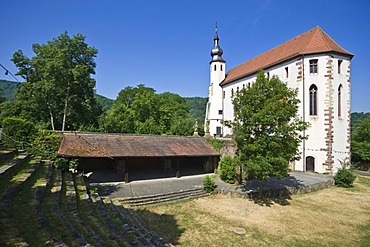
x=215 y=97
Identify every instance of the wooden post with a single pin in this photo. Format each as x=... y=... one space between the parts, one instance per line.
x=126 y=177
x=214 y=164
x=178 y=163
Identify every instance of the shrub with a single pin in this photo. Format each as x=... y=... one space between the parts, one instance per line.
x=345 y=176
x=216 y=144
x=73 y=164
x=209 y=184
x=18 y=132
x=46 y=144
x=61 y=163
x=228 y=169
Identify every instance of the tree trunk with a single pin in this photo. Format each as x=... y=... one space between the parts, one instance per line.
x=65 y=110
x=51 y=117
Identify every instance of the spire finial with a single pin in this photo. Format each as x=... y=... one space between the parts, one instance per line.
x=216 y=52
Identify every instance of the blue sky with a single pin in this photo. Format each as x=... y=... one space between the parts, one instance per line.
x=166 y=44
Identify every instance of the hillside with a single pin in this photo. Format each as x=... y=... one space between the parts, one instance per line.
x=197 y=107
x=9 y=88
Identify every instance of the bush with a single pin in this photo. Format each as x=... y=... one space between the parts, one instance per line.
x=345 y=176
x=18 y=132
x=228 y=169
x=61 y=163
x=209 y=184
x=46 y=144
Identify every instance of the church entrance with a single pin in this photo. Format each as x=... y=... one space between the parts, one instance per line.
x=310 y=164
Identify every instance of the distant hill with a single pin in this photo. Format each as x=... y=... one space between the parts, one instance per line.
x=105 y=102
x=9 y=88
x=197 y=107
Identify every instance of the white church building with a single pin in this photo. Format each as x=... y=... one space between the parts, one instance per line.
x=314 y=64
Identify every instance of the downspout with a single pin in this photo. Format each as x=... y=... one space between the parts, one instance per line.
x=304 y=118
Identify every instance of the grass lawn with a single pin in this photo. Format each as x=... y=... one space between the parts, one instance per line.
x=330 y=217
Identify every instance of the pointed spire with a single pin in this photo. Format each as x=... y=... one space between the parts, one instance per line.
x=216 y=52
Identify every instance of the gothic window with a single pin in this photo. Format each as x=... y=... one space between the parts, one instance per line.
x=313 y=100
x=286 y=72
x=339 y=66
x=340 y=101
x=313 y=66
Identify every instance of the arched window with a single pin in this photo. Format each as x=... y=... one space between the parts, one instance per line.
x=214 y=67
x=221 y=67
x=313 y=100
x=340 y=88
x=232 y=92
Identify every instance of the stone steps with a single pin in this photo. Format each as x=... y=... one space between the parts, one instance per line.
x=163 y=198
x=12 y=164
x=10 y=234
x=70 y=210
x=7 y=155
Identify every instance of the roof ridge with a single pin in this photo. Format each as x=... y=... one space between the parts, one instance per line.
x=314 y=30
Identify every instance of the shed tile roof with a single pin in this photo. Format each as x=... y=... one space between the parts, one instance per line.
x=119 y=145
x=310 y=42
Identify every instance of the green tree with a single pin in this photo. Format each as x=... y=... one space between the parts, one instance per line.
x=267 y=128
x=140 y=110
x=360 y=143
x=58 y=87
x=18 y=132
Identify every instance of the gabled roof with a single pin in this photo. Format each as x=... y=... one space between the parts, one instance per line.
x=119 y=145
x=311 y=42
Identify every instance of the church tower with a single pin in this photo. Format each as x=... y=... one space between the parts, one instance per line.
x=214 y=110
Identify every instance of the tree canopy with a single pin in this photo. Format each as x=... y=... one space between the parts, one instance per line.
x=360 y=143
x=58 y=87
x=267 y=128
x=140 y=110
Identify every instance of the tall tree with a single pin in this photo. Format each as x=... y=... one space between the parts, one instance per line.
x=267 y=128
x=58 y=87
x=140 y=110
x=360 y=143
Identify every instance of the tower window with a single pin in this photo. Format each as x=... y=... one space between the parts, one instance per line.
x=339 y=66
x=220 y=112
x=224 y=94
x=215 y=67
x=286 y=72
x=221 y=67
x=313 y=100
x=340 y=101
x=313 y=66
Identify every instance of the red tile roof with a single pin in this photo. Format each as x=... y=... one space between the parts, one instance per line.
x=119 y=145
x=310 y=42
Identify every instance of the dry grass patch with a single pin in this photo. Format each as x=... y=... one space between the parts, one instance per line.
x=330 y=217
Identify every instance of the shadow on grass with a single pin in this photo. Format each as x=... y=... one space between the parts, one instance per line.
x=163 y=224
x=274 y=190
x=269 y=200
